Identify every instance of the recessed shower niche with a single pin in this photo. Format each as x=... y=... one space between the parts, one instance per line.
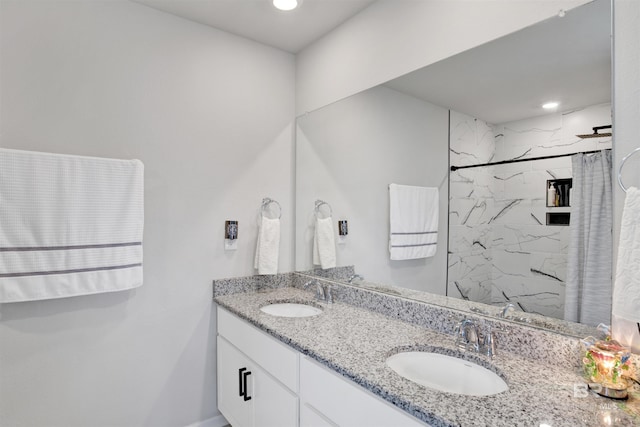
x=559 y=192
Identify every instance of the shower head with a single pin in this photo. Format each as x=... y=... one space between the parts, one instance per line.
x=595 y=133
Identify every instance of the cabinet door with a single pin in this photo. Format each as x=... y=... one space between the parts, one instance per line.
x=272 y=356
x=249 y=396
x=231 y=402
x=273 y=404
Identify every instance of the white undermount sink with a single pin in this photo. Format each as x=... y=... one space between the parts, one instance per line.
x=290 y=309
x=446 y=373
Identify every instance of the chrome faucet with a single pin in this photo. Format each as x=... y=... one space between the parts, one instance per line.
x=354 y=277
x=508 y=308
x=470 y=338
x=467 y=335
x=323 y=293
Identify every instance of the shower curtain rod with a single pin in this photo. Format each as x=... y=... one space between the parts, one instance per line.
x=504 y=162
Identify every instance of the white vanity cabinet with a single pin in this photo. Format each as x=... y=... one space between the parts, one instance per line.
x=257 y=376
x=264 y=383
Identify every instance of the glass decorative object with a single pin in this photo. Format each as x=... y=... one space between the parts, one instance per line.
x=605 y=362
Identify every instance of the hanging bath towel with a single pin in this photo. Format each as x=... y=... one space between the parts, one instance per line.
x=413 y=216
x=69 y=225
x=268 y=246
x=626 y=290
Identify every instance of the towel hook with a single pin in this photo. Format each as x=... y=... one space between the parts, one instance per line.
x=624 y=159
x=265 y=205
x=319 y=204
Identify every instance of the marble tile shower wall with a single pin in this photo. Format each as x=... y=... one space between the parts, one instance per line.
x=527 y=259
x=471 y=207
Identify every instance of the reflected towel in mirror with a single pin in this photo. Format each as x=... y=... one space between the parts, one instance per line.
x=324 y=246
x=413 y=217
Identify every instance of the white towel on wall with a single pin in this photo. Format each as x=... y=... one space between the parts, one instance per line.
x=268 y=248
x=413 y=217
x=626 y=290
x=69 y=225
x=324 y=245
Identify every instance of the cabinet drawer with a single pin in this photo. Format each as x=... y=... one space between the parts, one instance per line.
x=345 y=403
x=272 y=355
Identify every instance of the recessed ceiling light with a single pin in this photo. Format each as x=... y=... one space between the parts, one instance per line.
x=285 y=4
x=550 y=105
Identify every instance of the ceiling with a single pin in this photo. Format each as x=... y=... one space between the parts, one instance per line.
x=564 y=59
x=258 y=20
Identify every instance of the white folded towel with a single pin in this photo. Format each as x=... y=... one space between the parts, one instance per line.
x=268 y=248
x=69 y=225
x=413 y=217
x=324 y=245
x=626 y=291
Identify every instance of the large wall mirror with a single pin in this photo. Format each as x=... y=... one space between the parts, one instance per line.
x=502 y=232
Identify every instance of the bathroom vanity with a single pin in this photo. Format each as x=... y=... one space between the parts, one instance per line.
x=263 y=382
x=330 y=369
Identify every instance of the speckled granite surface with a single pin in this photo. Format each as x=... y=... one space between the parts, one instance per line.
x=335 y=273
x=529 y=319
x=236 y=285
x=536 y=344
x=355 y=338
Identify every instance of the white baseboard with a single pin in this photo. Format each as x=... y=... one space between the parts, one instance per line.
x=218 y=421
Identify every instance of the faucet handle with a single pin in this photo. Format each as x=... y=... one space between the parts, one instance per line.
x=329 y=294
x=459 y=334
x=473 y=337
x=459 y=329
x=320 y=291
x=466 y=334
x=489 y=343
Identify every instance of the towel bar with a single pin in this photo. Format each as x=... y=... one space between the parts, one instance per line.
x=265 y=204
x=319 y=204
x=624 y=159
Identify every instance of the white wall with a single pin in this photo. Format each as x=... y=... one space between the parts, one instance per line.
x=347 y=154
x=210 y=115
x=626 y=121
x=393 y=37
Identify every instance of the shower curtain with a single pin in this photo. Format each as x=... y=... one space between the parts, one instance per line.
x=589 y=267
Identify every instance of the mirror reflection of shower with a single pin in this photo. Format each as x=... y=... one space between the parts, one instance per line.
x=510 y=232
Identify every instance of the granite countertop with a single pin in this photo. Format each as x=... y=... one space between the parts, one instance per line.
x=355 y=342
